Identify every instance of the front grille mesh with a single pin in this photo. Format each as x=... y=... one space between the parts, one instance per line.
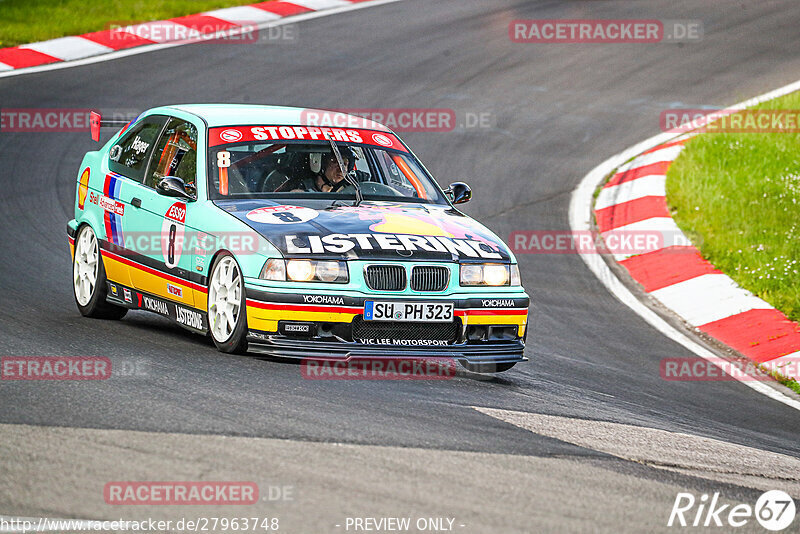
x=425 y=278
x=386 y=277
x=405 y=331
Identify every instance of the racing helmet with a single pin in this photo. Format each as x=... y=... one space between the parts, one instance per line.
x=318 y=161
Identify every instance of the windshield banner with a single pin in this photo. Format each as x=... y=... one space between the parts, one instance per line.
x=240 y=134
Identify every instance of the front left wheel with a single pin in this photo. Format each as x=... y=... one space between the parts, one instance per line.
x=89 y=278
x=227 y=313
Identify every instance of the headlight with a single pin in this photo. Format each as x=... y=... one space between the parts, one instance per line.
x=330 y=271
x=486 y=274
x=305 y=271
x=299 y=270
x=471 y=275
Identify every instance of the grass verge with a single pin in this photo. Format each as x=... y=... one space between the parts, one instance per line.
x=737 y=196
x=28 y=21
x=790 y=383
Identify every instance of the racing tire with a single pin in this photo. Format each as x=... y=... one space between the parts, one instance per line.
x=485 y=368
x=227 y=311
x=89 y=278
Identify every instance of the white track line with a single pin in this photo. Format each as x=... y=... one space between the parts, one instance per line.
x=161 y=46
x=580 y=216
x=709 y=458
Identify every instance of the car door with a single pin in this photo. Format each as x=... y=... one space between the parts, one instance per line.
x=167 y=252
x=127 y=163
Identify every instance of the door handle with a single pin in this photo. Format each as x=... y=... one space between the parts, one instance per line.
x=136 y=202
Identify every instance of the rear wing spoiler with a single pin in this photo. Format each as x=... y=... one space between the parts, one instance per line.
x=96 y=122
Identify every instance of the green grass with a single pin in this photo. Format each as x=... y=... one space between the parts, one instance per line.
x=737 y=196
x=790 y=383
x=27 y=21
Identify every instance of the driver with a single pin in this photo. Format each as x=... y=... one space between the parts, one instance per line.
x=328 y=177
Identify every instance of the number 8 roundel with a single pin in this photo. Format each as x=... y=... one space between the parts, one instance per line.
x=172 y=234
x=282 y=215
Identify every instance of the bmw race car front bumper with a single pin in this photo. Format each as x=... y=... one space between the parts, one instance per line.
x=500 y=352
x=486 y=328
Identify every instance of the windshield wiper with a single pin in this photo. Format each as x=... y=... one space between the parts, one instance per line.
x=350 y=177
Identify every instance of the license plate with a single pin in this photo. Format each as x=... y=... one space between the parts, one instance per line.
x=405 y=312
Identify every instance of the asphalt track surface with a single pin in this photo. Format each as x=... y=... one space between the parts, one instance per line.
x=557 y=110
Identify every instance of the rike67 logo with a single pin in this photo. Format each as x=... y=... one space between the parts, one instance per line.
x=774 y=510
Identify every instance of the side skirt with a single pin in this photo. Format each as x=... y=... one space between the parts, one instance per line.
x=192 y=319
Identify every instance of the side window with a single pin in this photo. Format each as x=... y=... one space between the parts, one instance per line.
x=362 y=167
x=175 y=154
x=402 y=174
x=130 y=155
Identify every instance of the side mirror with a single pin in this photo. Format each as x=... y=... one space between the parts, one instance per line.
x=172 y=186
x=459 y=192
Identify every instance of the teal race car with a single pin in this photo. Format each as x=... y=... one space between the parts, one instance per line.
x=293 y=232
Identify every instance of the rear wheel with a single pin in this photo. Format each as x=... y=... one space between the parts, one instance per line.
x=89 y=278
x=488 y=367
x=227 y=314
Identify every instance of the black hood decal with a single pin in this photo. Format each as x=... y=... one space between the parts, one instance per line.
x=373 y=230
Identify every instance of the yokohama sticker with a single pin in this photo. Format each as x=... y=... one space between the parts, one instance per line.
x=323 y=299
x=282 y=215
x=497 y=303
x=155 y=305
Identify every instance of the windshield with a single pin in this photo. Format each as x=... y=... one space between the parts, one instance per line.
x=297 y=168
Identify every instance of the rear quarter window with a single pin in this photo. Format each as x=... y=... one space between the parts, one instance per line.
x=129 y=156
